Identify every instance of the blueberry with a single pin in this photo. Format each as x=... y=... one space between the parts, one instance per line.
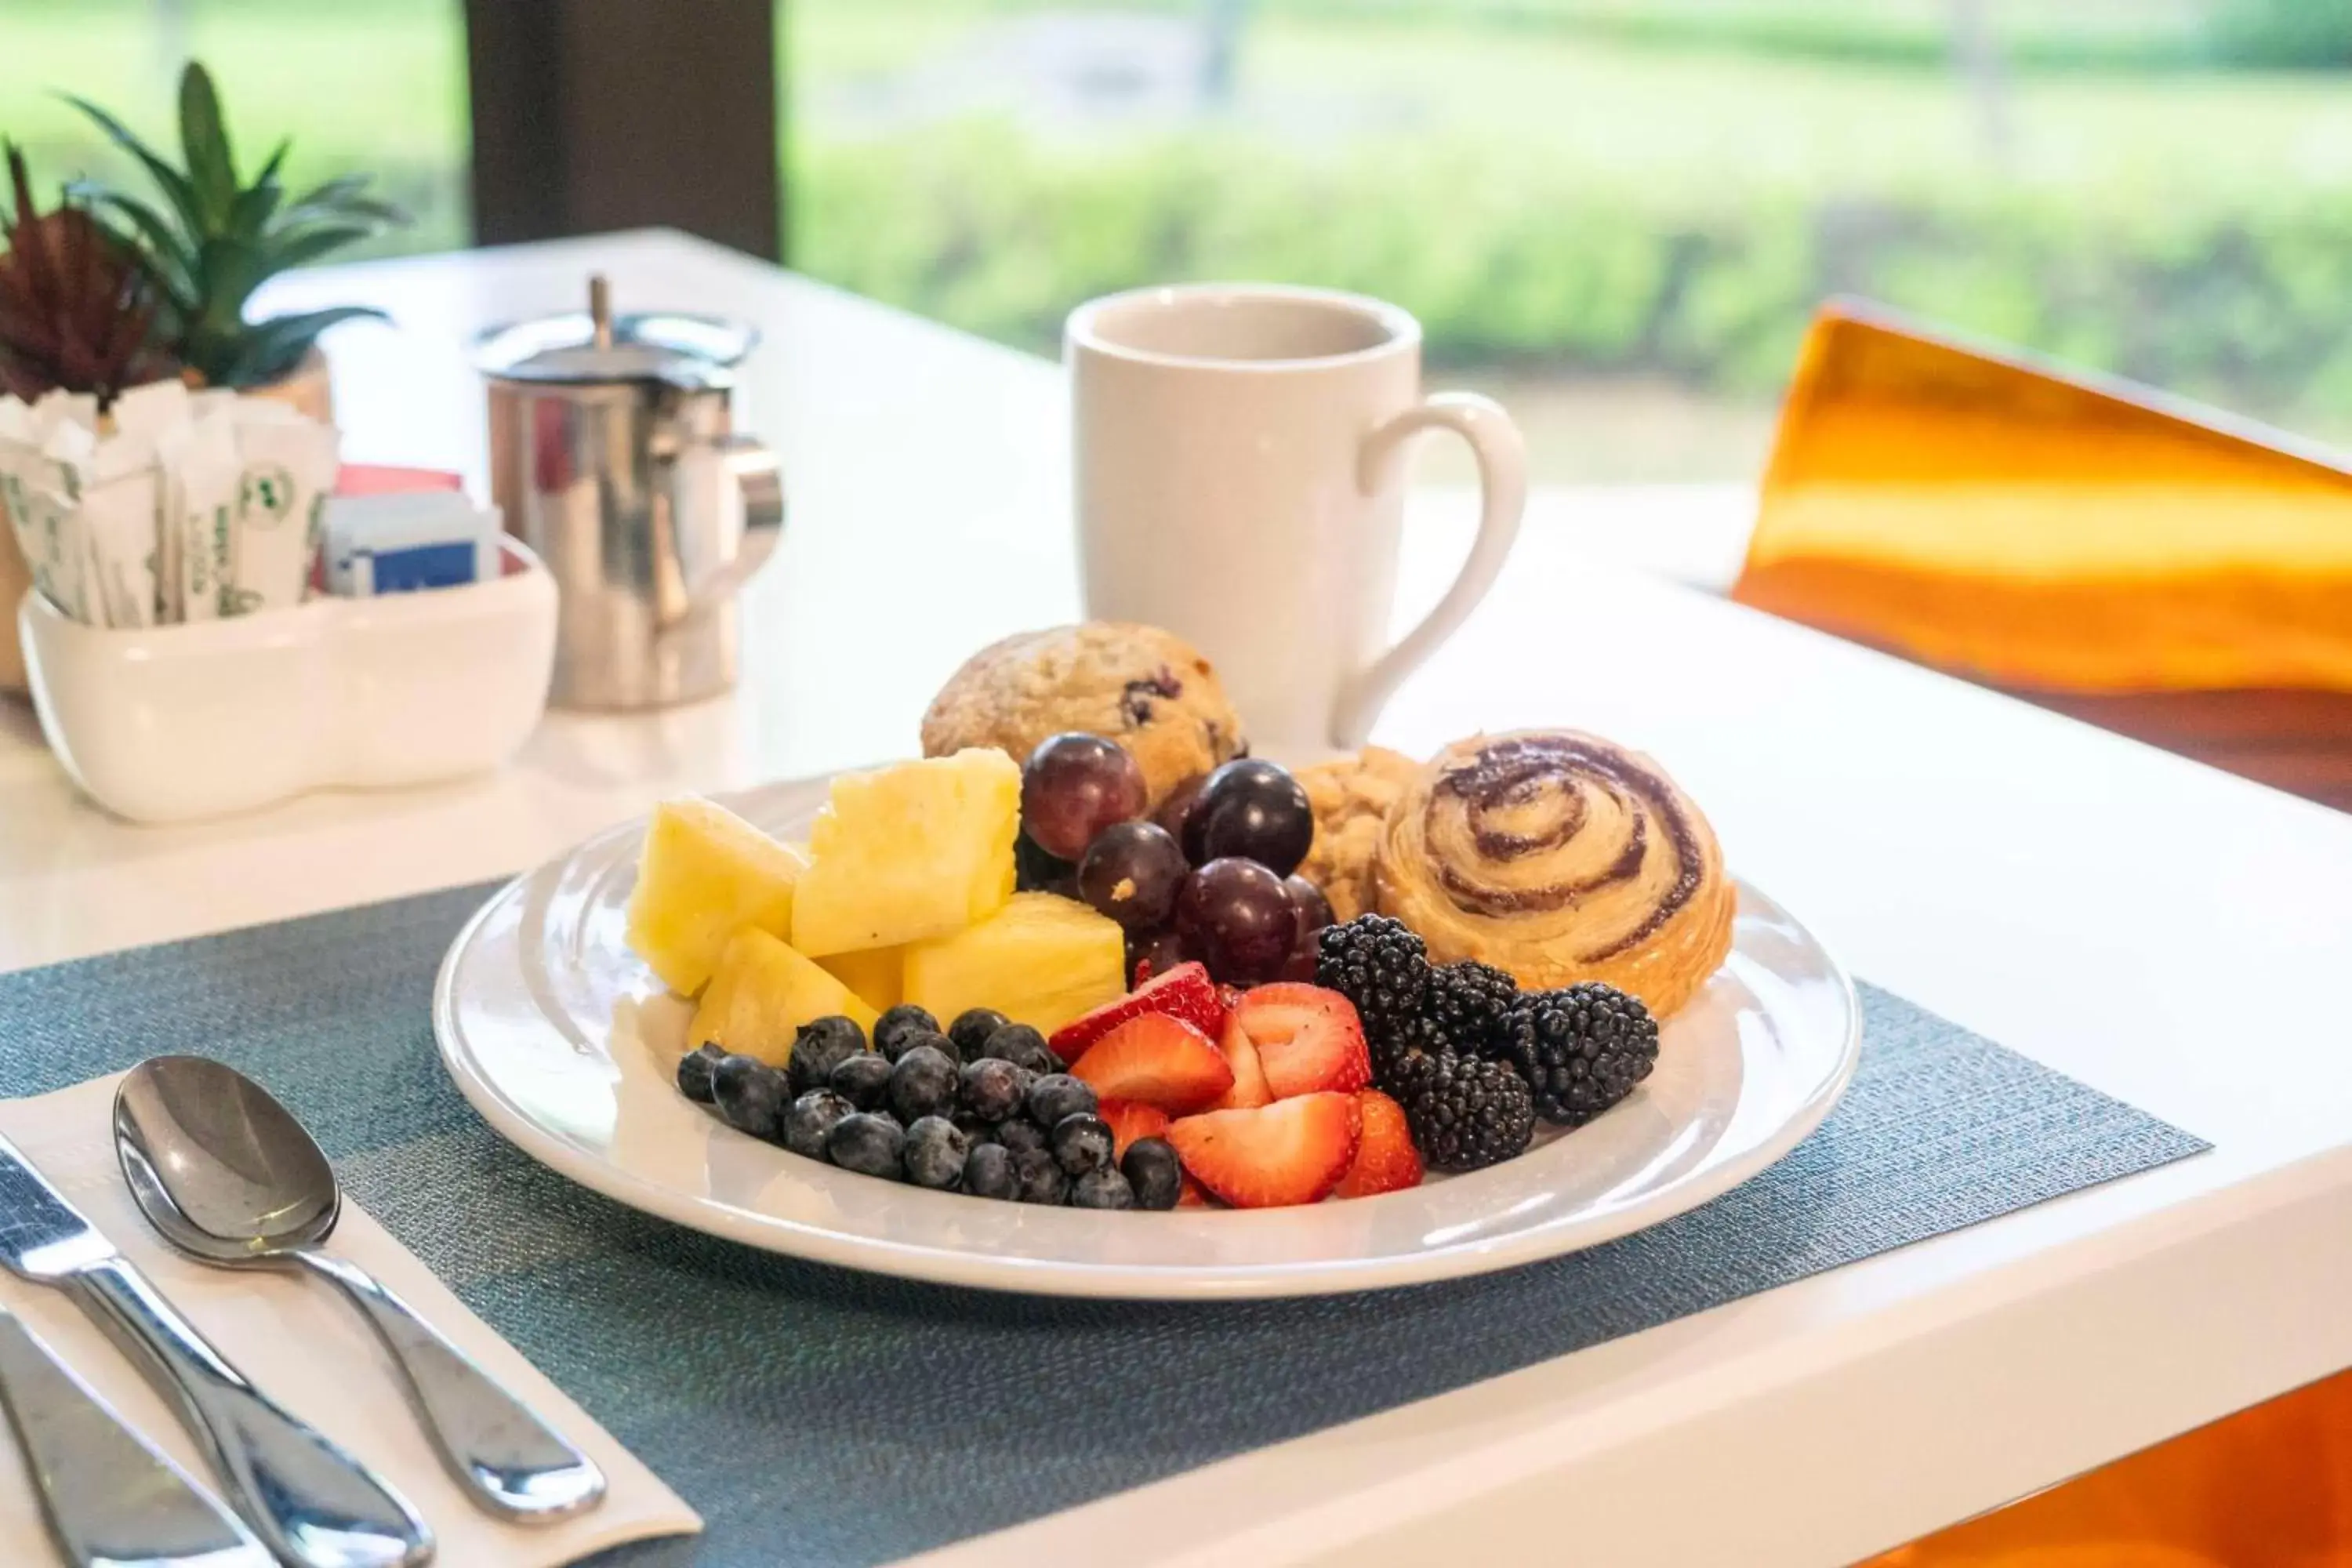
x=907 y=1039
x=1103 y=1189
x=749 y=1094
x=863 y=1079
x=1152 y=1171
x=1082 y=1143
x=904 y=1019
x=693 y=1070
x=1057 y=1095
x=1041 y=1180
x=820 y=1047
x=1019 y=1132
x=970 y=1031
x=934 y=1154
x=811 y=1118
x=923 y=1083
x=988 y=1172
x=993 y=1088
x=1024 y=1046
x=868 y=1142
x=977 y=1129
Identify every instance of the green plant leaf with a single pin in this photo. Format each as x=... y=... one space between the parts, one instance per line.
x=250 y=214
x=173 y=184
x=344 y=199
x=204 y=143
x=276 y=160
x=271 y=348
x=280 y=254
x=166 y=254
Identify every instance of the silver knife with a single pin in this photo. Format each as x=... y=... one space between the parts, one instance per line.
x=111 y=1501
x=313 y=1504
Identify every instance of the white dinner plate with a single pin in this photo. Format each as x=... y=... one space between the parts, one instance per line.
x=566 y=1044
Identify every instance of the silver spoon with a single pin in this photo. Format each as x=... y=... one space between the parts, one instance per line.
x=228 y=1176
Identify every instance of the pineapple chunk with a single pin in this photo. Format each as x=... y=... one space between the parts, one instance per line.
x=760 y=996
x=872 y=972
x=705 y=874
x=908 y=852
x=1042 y=959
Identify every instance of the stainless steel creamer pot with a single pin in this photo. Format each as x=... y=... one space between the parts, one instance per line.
x=613 y=456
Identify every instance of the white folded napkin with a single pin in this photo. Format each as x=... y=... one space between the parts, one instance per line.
x=302 y=1344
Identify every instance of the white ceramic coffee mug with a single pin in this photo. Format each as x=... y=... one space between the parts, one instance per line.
x=1241 y=481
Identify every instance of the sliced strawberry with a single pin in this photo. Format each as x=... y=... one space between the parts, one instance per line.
x=1292 y=1152
x=1308 y=1039
x=1249 y=1090
x=1131 y=1119
x=1193 y=1196
x=1159 y=1060
x=1184 y=992
x=1386 y=1160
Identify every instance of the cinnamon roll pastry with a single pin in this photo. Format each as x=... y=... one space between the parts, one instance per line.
x=1559 y=857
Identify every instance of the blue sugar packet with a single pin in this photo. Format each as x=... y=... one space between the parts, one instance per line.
x=407 y=542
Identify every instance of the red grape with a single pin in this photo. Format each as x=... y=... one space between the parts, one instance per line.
x=1175 y=813
x=1254 y=809
x=1132 y=872
x=1237 y=918
x=1314 y=909
x=1163 y=951
x=1074 y=787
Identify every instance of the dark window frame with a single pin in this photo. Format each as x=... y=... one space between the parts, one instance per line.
x=590 y=115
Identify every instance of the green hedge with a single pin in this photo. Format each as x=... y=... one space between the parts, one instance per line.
x=978 y=225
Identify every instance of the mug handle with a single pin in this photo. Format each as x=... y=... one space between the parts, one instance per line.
x=1502 y=454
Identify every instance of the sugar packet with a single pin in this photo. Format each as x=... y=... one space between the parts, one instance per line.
x=119 y=495
x=286 y=471
x=40 y=491
x=199 y=464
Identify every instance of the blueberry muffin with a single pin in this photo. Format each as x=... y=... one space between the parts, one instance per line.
x=1147 y=689
x=1352 y=797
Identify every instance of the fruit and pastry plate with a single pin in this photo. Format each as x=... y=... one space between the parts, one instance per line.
x=1086 y=999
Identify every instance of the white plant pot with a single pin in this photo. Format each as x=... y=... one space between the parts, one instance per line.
x=179 y=723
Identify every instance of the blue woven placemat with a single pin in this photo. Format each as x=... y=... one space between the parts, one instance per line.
x=820 y=1416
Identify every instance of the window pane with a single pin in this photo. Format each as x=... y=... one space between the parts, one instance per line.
x=379 y=88
x=1617 y=213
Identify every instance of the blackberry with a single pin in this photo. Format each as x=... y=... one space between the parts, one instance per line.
x=1401 y=1054
x=1581 y=1049
x=1466 y=1113
x=1466 y=1004
x=1380 y=966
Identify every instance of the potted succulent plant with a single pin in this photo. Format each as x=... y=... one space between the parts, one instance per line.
x=109 y=290
x=213 y=239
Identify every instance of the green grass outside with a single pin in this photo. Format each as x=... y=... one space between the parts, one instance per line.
x=1658 y=189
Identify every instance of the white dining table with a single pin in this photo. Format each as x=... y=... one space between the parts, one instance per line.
x=2173 y=936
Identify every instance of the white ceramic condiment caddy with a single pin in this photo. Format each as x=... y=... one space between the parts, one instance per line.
x=175 y=723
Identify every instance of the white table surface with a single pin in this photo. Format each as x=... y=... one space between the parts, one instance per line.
x=2173 y=936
